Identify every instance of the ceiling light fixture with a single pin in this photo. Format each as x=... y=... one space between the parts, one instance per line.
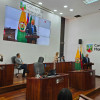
x=71 y=9
x=40 y=3
x=55 y=10
x=61 y=13
x=65 y=6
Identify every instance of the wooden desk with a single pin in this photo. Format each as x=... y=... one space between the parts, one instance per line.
x=95 y=95
x=6 y=74
x=30 y=68
x=65 y=67
x=62 y=67
x=83 y=80
x=45 y=88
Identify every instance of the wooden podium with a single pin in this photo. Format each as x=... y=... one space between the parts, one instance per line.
x=6 y=74
x=88 y=66
x=9 y=34
x=82 y=80
x=31 y=37
x=45 y=88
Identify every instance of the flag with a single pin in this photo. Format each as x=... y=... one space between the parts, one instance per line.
x=28 y=18
x=81 y=57
x=81 y=60
x=21 y=28
x=77 y=60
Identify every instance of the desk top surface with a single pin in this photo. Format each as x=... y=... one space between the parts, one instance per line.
x=49 y=77
x=80 y=71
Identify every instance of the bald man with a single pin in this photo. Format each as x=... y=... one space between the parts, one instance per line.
x=86 y=59
x=31 y=30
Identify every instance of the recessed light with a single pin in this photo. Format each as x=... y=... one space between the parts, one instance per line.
x=61 y=13
x=55 y=10
x=71 y=9
x=40 y=3
x=65 y=6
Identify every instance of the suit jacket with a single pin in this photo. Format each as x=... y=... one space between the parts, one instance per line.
x=85 y=60
x=29 y=29
x=18 y=61
x=62 y=60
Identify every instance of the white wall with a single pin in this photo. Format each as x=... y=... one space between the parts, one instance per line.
x=29 y=52
x=86 y=28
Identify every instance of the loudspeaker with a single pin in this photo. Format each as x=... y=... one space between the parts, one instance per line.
x=80 y=41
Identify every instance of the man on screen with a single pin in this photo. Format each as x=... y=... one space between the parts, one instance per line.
x=31 y=30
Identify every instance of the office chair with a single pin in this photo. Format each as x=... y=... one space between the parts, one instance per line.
x=39 y=66
x=15 y=65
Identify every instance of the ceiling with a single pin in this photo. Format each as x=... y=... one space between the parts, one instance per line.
x=79 y=7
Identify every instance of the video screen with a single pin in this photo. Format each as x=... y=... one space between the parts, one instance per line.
x=23 y=27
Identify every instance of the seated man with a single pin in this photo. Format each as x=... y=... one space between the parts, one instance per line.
x=62 y=59
x=20 y=64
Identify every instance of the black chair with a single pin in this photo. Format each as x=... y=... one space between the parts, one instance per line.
x=39 y=66
x=15 y=65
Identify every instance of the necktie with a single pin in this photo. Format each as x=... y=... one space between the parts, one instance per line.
x=87 y=60
x=32 y=29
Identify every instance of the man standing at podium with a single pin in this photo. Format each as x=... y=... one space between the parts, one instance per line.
x=86 y=59
x=31 y=30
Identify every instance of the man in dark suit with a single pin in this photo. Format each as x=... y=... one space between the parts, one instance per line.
x=62 y=59
x=31 y=30
x=86 y=59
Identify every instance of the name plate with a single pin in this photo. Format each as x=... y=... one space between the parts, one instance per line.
x=59 y=80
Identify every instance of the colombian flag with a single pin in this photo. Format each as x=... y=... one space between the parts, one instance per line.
x=77 y=60
x=21 y=28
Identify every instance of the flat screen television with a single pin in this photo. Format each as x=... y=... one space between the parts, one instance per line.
x=26 y=28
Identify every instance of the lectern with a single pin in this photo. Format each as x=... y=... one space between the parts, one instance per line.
x=31 y=37
x=45 y=88
x=88 y=66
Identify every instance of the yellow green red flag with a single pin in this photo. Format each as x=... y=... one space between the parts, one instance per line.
x=21 y=28
x=77 y=60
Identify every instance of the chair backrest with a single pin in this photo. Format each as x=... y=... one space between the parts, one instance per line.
x=13 y=59
x=41 y=59
x=39 y=68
